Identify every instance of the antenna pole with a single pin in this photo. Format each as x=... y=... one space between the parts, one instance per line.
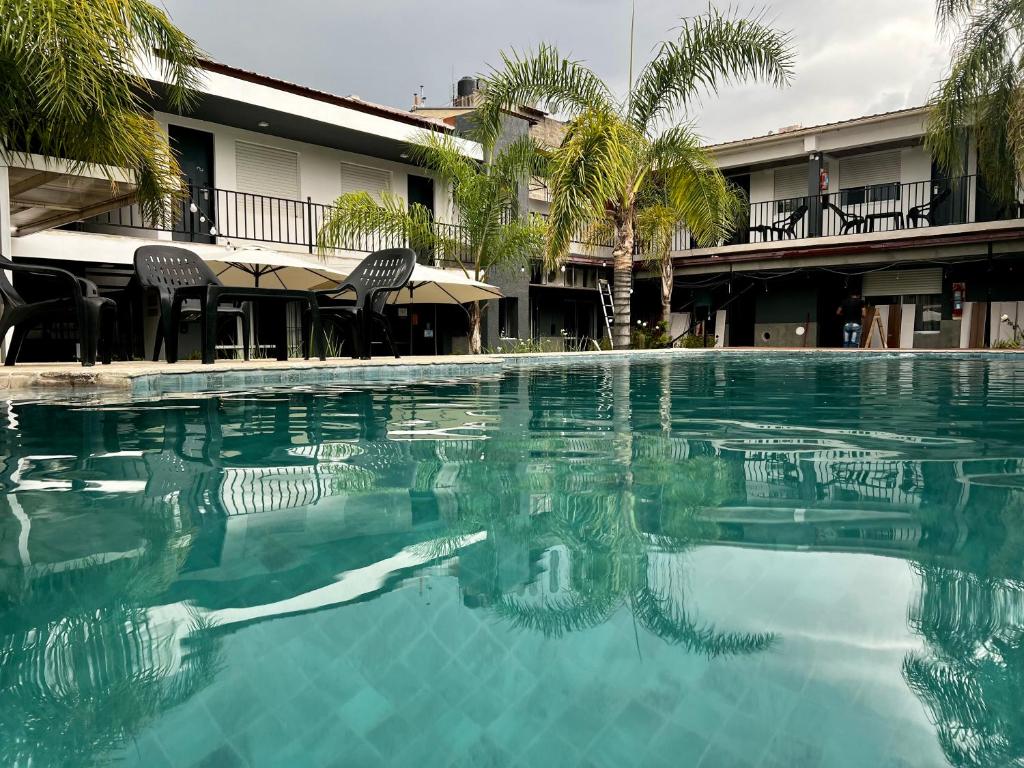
x=632 y=29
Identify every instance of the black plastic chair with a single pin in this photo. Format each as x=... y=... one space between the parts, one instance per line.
x=375 y=278
x=784 y=227
x=926 y=211
x=178 y=274
x=95 y=316
x=848 y=221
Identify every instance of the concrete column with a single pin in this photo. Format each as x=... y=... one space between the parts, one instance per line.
x=814 y=206
x=5 y=232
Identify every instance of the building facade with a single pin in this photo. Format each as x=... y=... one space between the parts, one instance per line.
x=263 y=160
x=855 y=206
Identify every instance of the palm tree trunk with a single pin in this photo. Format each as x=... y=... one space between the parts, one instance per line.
x=622 y=261
x=475 y=347
x=667 y=278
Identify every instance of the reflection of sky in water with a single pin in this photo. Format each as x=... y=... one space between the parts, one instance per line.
x=721 y=560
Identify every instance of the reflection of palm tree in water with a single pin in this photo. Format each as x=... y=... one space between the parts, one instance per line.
x=972 y=679
x=83 y=669
x=591 y=512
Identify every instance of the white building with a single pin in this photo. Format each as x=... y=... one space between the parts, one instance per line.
x=263 y=158
x=856 y=205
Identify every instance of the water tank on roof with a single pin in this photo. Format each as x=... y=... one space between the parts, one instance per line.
x=466 y=86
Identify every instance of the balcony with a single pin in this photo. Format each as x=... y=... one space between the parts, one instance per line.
x=881 y=212
x=212 y=215
x=223 y=215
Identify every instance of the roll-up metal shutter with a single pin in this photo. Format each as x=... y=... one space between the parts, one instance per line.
x=267 y=171
x=363 y=178
x=791 y=182
x=903 y=282
x=868 y=170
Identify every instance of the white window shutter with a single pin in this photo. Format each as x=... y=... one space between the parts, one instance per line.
x=869 y=170
x=903 y=282
x=267 y=171
x=791 y=182
x=363 y=178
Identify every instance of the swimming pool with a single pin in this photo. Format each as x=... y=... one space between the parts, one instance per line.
x=776 y=561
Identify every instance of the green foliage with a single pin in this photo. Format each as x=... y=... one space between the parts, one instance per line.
x=74 y=87
x=482 y=196
x=653 y=336
x=615 y=153
x=982 y=93
x=693 y=341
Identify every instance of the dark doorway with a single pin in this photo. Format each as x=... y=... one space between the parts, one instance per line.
x=194 y=150
x=830 y=325
x=742 y=232
x=740 y=317
x=949 y=196
x=421 y=191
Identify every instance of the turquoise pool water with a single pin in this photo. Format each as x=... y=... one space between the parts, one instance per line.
x=713 y=561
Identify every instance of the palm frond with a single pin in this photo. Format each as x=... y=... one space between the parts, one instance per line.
x=673 y=625
x=982 y=93
x=74 y=87
x=704 y=200
x=562 y=84
x=557 y=617
x=712 y=49
x=591 y=176
x=356 y=216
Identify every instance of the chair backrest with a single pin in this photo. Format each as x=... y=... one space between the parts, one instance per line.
x=379 y=274
x=843 y=215
x=796 y=215
x=166 y=267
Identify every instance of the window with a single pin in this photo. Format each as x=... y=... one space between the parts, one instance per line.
x=363 y=178
x=927 y=312
x=790 y=188
x=508 y=317
x=267 y=171
x=267 y=206
x=876 y=193
x=873 y=178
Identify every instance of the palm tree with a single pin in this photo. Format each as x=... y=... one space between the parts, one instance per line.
x=74 y=87
x=612 y=148
x=981 y=93
x=657 y=221
x=489 y=234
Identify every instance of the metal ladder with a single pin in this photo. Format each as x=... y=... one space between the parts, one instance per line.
x=607 y=306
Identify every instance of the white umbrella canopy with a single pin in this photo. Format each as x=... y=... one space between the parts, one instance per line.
x=256 y=268
x=430 y=285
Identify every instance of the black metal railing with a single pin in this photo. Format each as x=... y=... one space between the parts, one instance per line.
x=209 y=214
x=860 y=210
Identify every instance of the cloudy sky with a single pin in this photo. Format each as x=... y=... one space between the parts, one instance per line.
x=854 y=57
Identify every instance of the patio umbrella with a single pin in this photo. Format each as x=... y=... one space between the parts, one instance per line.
x=429 y=285
x=257 y=268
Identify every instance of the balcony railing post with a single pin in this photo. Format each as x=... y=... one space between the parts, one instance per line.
x=309 y=221
x=191 y=216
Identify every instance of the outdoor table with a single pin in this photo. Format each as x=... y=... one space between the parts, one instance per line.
x=895 y=216
x=277 y=298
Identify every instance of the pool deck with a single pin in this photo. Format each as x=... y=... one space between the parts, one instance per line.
x=139 y=377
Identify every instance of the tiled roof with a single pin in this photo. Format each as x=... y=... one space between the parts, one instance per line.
x=803 y=130
x=351 y=102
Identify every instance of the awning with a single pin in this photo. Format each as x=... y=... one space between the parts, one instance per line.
x=46 y=194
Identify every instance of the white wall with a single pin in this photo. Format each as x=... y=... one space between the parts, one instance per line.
x=319 y=167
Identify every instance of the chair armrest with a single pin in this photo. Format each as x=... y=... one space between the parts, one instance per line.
x=336 y=292
x=57 y=273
